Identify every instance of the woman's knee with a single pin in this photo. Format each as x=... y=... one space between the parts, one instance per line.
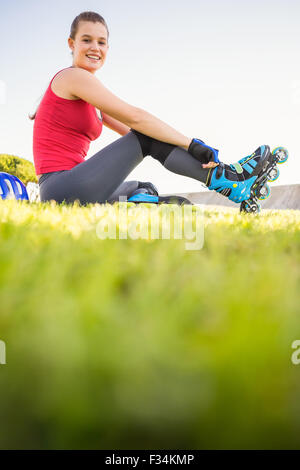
x=155 y=148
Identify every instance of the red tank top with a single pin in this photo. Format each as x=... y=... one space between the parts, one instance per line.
x=63 y=130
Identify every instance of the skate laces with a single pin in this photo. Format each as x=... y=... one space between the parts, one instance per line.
x=238 y=166
x=243 y=160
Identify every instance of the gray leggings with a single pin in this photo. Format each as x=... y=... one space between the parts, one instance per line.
x=101 y=177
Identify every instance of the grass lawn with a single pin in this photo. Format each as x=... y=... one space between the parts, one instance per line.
x=144 y=344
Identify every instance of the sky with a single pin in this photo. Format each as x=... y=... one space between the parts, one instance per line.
x=224 y=71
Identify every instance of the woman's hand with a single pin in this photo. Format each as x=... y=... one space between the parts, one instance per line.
x=206 y=155
x=210 y=165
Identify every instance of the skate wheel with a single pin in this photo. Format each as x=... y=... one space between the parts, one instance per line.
x=250 y=207
x=273 y=174
x=281 y=153
x=263 y=192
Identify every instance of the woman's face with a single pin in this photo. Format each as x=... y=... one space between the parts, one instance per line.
x=90 y=46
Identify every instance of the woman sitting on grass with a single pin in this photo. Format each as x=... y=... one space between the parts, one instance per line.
x=66 y=121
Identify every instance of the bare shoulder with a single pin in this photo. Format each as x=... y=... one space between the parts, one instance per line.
x=77 y=83
x=63 y=83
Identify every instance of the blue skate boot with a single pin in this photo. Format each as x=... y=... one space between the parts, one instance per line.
x=245 y=182
x=146 y=192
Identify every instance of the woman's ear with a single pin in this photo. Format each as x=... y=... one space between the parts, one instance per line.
x=71 y=43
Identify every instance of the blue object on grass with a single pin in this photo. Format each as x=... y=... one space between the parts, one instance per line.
x=143 y=197
x=12 y=187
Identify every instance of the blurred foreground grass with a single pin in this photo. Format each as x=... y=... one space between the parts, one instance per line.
x=142 y=343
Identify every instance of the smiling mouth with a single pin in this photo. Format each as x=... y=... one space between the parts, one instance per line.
x=92 y=57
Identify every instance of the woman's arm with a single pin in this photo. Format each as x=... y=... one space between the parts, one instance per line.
x=114 y=125
x=82 y=84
